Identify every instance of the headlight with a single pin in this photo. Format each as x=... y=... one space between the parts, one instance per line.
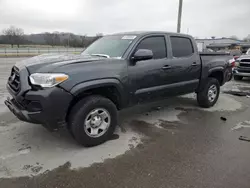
x=47 y=79
x=237 y=63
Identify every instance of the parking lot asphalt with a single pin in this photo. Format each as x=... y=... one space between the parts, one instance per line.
x=171 y=143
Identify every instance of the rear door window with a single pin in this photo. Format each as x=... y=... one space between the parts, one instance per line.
x=181 y=46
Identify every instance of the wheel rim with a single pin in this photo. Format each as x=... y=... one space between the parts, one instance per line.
x=212 y=93
x=97 y=122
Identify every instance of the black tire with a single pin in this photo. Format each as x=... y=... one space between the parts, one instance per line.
x=238 y=77
x=80 y=112
x=202 y=96
x=228 y=75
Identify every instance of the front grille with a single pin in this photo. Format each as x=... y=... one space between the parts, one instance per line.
x=245 y=63
x=245 y=60
x=242 y=64
x=14 y=80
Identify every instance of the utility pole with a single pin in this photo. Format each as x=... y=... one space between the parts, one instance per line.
x=179 y=16
x=68 y=39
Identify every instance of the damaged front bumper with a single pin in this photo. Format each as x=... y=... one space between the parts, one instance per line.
x=47 y=106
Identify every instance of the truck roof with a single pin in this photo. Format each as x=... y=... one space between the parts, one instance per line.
x=142 y=33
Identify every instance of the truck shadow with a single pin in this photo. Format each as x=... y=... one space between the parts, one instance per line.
x=158 y=106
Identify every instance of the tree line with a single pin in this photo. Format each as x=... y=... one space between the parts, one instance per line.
x=16 y=36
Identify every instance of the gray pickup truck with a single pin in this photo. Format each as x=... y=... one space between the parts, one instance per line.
x=85 y=92
x=242 y=67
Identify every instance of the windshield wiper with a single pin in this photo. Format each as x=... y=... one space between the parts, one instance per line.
x=101 y=55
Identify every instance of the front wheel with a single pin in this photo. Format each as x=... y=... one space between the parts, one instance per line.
x=93 y=120
x=210 y=93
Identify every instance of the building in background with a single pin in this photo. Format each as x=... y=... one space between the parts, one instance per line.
x=221 y=42
x=217 y=44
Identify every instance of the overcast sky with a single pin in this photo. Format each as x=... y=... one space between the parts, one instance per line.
x=201 y=18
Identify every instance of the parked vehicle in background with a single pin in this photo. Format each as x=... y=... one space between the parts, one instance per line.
x=235 y=53
x=208 y=50
x=117 y=71
x=242 y=67
x=248 y=52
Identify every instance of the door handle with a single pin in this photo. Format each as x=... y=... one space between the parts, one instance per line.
x=166 y=67
x=194 y=64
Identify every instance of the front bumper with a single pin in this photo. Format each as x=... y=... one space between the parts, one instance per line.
x=242 y=72
x=48 y=106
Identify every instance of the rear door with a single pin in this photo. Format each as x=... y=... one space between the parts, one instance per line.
x=185 y=65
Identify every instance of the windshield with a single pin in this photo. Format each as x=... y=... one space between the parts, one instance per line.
x=111 y=46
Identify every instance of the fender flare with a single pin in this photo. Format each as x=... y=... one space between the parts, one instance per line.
x=216 y=69
x=92 y=84
x=210 y=71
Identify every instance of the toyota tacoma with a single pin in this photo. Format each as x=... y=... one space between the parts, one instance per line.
x=86 y=91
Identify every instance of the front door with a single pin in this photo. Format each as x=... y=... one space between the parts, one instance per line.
x=149 y=77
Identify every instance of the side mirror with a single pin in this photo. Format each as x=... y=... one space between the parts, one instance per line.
x=142 y=54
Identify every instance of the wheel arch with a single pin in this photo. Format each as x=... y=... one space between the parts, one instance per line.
x=217 y=73
x=109 y=88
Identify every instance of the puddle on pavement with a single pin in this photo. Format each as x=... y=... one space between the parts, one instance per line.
x=27 y=149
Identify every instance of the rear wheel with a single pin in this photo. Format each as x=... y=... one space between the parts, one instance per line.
x=210 y=93
x=238 y=77
x=93 y=120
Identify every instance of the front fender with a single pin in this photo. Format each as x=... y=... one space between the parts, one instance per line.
x=81 y=87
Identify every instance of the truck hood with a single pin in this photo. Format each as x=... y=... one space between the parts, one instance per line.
x=48 y=62
x=243 y=57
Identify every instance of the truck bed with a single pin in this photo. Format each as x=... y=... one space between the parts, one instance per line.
x=207 y=57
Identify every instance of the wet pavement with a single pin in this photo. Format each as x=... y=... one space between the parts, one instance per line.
x=170 y=143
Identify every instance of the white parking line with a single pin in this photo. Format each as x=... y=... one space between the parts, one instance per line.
x=244 y=124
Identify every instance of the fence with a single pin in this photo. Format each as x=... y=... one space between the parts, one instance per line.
x=22 y=52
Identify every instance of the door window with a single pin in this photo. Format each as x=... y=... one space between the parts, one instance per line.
x=156 y=44
x=181 y=46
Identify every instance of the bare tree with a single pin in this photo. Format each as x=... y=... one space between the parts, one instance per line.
x=48 y=38
x=13 y=35
x=52 y=39
x=74 y=40
x=56 y=38
x=83 y=41
x=98 y=35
